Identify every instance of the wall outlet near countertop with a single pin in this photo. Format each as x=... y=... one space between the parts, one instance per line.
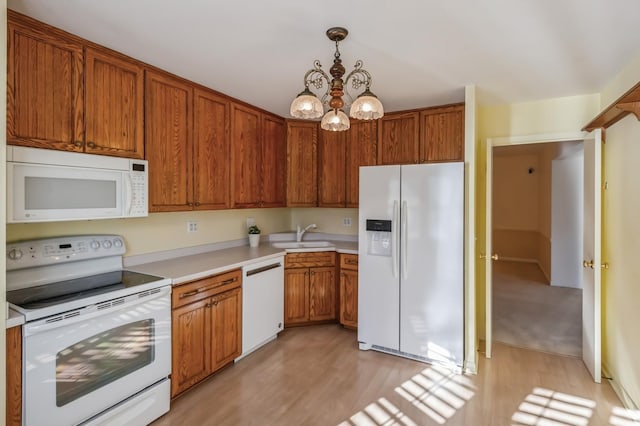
x=250 y=222
x=192 y=226
x=346 y=222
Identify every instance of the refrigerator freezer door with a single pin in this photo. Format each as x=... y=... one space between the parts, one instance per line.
x=378 y=295
x=431 y=289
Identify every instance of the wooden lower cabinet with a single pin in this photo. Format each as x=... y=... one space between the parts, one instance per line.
x=14 y=376
x=349 y=290
x=206 y=333
x=310 y=288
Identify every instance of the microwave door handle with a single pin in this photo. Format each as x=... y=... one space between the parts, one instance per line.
x=129 y=193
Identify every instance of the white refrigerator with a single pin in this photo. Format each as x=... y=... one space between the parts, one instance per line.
x=411 y=261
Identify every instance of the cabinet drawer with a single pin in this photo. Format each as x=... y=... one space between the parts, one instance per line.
x=310 y=259
x=349 y=261
x=197 y=290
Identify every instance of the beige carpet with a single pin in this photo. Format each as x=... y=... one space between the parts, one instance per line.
x=529 y=313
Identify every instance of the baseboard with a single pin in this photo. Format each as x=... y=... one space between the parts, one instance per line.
x=527 y=260
x=624 y=396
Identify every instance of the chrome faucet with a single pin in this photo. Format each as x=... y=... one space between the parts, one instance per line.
x=300 y=232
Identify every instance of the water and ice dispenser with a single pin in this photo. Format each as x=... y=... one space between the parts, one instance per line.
x=379 y=237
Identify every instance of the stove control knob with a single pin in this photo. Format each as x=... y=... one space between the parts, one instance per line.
x=94 y=245
x=106 y=244
x=117 y=243
x=15 y=254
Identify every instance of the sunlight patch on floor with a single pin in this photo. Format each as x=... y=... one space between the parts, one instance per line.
x=436 y=391
x=624 y=417
x=545 y=407
x=381 y=412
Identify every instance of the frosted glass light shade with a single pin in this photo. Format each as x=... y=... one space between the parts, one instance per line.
x=366 y=107
x=306 y=105
x=335 y=121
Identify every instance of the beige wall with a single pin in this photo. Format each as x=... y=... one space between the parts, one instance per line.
x=164 y=231
x=621 y=247
x=328 y=220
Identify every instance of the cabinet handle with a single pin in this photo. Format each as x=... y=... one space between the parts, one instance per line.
x=91 y=144
x=197 y=203
x=215 y=303
x=78 y=144
x=189 y=293
x=313 y=273
x=351 y=262
x=306 y=273
x=229 y=281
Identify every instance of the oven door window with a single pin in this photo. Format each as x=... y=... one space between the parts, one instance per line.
x=103 y=358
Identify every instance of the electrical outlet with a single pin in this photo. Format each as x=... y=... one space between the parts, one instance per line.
x=250 y=222
x=346 y=221
x=192 y=226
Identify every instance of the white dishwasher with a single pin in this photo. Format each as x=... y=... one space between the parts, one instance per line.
x=262 y=303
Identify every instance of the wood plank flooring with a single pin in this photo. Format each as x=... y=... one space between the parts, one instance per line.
x=317 y=376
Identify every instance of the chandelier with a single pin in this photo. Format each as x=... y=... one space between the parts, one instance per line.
x=365 y=106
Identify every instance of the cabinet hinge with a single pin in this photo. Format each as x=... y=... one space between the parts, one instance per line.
x=605 y=186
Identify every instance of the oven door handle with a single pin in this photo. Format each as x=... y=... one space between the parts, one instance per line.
x=96 y=310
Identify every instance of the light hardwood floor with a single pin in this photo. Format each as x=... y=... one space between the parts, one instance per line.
x=317 y=376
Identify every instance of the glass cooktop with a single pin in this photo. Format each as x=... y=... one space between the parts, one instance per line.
x=47 y=295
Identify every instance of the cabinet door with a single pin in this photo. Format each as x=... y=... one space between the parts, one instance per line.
x=361 y=151
x=349 y=298
x=296 y=296
x=44 y=86
x=246 y=156
x=114 y=105
x=442 y=134
x=332 y=151
x=274 y=162
x=14 y=376
x=226 y=322
x=211 y=151
x=191 y=345
x=398 y=138
x=322 y=294
x=302 y=145
x=168 y=123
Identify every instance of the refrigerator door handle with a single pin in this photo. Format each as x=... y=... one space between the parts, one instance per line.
x=394 y=240
x=404 y=239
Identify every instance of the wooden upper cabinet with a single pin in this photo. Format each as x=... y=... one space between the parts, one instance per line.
x=361 y=151
x=114 y=105
x=332 y=151
x=302 y=145
x=274 y=162
x=44 y=86
x=398 y=138
x=246 y=156
x=442 y=134
x=211 y=151
x=168 y=124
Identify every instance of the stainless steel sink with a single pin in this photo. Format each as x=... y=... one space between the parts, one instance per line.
x=302 y=244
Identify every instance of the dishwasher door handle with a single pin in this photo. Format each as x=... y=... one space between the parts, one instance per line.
x=263 y=269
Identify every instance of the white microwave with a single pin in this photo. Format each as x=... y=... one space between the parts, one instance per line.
x=46 y=185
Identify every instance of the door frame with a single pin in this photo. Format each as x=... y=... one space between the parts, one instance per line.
x=490 y=143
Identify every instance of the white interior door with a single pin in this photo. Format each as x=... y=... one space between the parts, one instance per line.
x=488 y=249
x=591 y=293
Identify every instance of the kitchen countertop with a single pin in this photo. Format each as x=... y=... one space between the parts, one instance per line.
x=14 y=318
x=197 y=266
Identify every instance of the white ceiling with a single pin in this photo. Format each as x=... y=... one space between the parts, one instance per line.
x=419 y=52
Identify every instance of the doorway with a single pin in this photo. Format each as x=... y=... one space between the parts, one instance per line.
x=537 y=198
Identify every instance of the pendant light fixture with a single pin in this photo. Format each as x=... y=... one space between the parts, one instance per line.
x=365 y=106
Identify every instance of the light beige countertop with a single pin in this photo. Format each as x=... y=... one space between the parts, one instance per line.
x=14 y=318
x=182 y=267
